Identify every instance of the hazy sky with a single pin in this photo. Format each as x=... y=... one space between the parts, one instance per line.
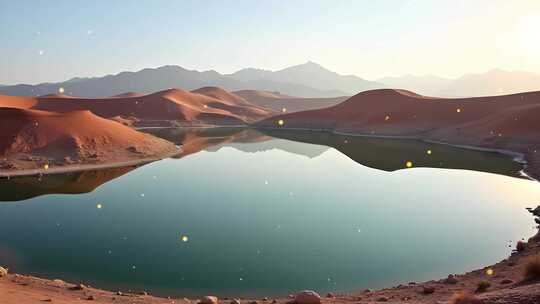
x=56 y=40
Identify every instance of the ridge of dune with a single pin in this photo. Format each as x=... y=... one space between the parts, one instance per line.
x=31 y=138
x=247 y=94
x=207 y=106
x=17 y=102
x=129 y=94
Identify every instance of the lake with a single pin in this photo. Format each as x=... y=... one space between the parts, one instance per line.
x=241 y=212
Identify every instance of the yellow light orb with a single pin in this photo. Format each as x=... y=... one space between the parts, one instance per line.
x=99 y=206
x=490 y=272
x=409 y=164
x=284 y=110
x=429 y=152
x=387 y=117
x=458 y=110
x=46 y=167
x=61 y=90
x=281 y=122
x=184 y=238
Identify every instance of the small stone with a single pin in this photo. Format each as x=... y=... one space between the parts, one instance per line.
x=506 y=281
x=367 y=290
x=143 y=293
x=307 y=297
x=412 y=283
x=78 y=287
x=252 y=302
x=274 y=301
x=265 y=299
x=451 y=279
x=209 y=300
x=428 y=290
x=3 y=271
x=91 y=298
x=59 y=283
x=235 y=301
x=47 y=300
x=330 y=295
x=119 y=293
x=382 y=299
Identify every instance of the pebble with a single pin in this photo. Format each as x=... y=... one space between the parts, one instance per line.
x=235 y=301
x=3 y=271
x=451 y=279
x=330 y=295
x=367 y=290
x=307 y=297
x=78 y=287
x=209 y=300
x=91 y=298
x=428 y=289
x=506 y=281
x=383 y=299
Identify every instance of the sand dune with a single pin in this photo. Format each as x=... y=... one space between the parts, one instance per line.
x=17 y=102
x=38 y=139
x=499 y=122
x=204 y=106
x=284 y=103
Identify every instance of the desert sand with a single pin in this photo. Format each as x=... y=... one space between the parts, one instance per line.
x=284 y=103
x=500 y=122
x=48 y=142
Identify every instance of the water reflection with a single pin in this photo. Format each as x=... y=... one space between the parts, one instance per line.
x=26 y=187
x=382 y=154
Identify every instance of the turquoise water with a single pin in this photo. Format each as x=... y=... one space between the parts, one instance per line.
x=258 y=215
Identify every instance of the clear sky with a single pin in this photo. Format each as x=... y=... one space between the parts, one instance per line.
x=56 y=40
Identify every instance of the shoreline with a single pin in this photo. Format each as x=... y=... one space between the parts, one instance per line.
x=505 y=277
x=84 y=167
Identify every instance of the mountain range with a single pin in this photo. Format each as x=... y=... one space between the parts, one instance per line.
x=305 y=80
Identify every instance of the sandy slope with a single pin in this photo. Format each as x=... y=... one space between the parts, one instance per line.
x=279 y=102
x=203 y=106
x=38 y=139
x=499 y=122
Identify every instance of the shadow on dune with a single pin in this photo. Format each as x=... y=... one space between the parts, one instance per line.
x=393 y=154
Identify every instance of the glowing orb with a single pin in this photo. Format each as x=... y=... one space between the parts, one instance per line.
x=99 y=206
x=458 y=110
x=284 y=110
x=387 y=117
x=281 y=122
x=61 y=90
x=429 y=152
x=490 y=272
x=46 y=167
x=184 y=238
x=409 y=164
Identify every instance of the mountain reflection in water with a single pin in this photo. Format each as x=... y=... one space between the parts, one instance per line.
x=383 y=154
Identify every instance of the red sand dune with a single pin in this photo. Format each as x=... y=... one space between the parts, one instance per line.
x=130 y=94
x=210 y=106
x=283 y=103
x=74 y=136
x=250 y=94
x=17 y=102
x=499 y=122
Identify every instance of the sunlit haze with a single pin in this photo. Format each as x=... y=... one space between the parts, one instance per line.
x=44 y=41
